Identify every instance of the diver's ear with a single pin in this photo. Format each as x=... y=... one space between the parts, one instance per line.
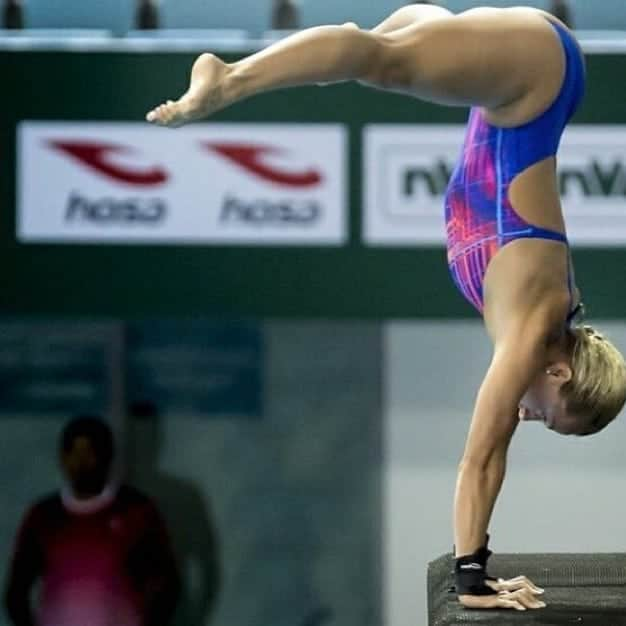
x=560 y=371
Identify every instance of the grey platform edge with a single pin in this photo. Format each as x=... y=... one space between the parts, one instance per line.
x=582 y=589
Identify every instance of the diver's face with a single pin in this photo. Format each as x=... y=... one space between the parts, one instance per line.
x=543 y=402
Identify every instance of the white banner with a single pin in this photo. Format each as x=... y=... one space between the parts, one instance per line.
x=406 y=170
x=407 y=167
x=248 y=184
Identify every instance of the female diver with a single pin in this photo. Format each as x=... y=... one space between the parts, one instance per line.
x=523 y=75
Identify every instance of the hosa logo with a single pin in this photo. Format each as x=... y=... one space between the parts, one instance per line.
x=260 y=212
x=597 y=179
x=223 y=183
x=98 y=157
x=115 y=211
x=253 y=159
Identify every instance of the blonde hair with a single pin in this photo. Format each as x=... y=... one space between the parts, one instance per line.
x=597 y=389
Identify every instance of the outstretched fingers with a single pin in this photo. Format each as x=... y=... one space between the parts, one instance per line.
x=514 y=584
x=518 y=593
x=520 y=600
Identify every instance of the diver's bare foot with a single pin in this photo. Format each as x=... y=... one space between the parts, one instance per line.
x=204 y=96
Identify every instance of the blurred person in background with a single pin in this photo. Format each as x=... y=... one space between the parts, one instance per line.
x=99 y=551
x=285 y=15
x=147 y=16
x=563 y=11
x=13 y=15
x=522 y=73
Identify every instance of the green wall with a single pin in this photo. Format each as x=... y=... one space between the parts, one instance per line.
x=350 y=282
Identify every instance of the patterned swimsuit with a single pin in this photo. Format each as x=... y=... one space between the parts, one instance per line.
x=479 y=217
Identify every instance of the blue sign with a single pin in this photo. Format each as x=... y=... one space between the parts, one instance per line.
x=197 y=367
x=187 y=367
x=53 y=367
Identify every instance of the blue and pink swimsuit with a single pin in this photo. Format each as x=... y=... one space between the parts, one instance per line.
x=479 y=217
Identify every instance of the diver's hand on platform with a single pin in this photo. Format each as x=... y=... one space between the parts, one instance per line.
x=477 y=590
x=206 y=94
x=521 y=600
x=514 y=584
x=517 y=593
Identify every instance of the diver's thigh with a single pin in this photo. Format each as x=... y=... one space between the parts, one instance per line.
x=410 y=15
x=507 y=61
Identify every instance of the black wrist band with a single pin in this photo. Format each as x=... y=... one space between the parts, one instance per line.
x=470 y=574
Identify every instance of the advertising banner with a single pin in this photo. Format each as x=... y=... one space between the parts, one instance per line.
x=247 y=184
x=407 y=168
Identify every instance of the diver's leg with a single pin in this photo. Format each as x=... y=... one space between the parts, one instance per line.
x=322 y=54
x=508 y=61
x=505 y=60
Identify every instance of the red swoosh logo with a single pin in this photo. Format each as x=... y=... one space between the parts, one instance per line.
x=250 y=158
x=96 y=156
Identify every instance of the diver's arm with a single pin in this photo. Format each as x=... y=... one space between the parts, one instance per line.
x=482 y=468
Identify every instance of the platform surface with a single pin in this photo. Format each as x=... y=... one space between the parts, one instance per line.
x=583 y=589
